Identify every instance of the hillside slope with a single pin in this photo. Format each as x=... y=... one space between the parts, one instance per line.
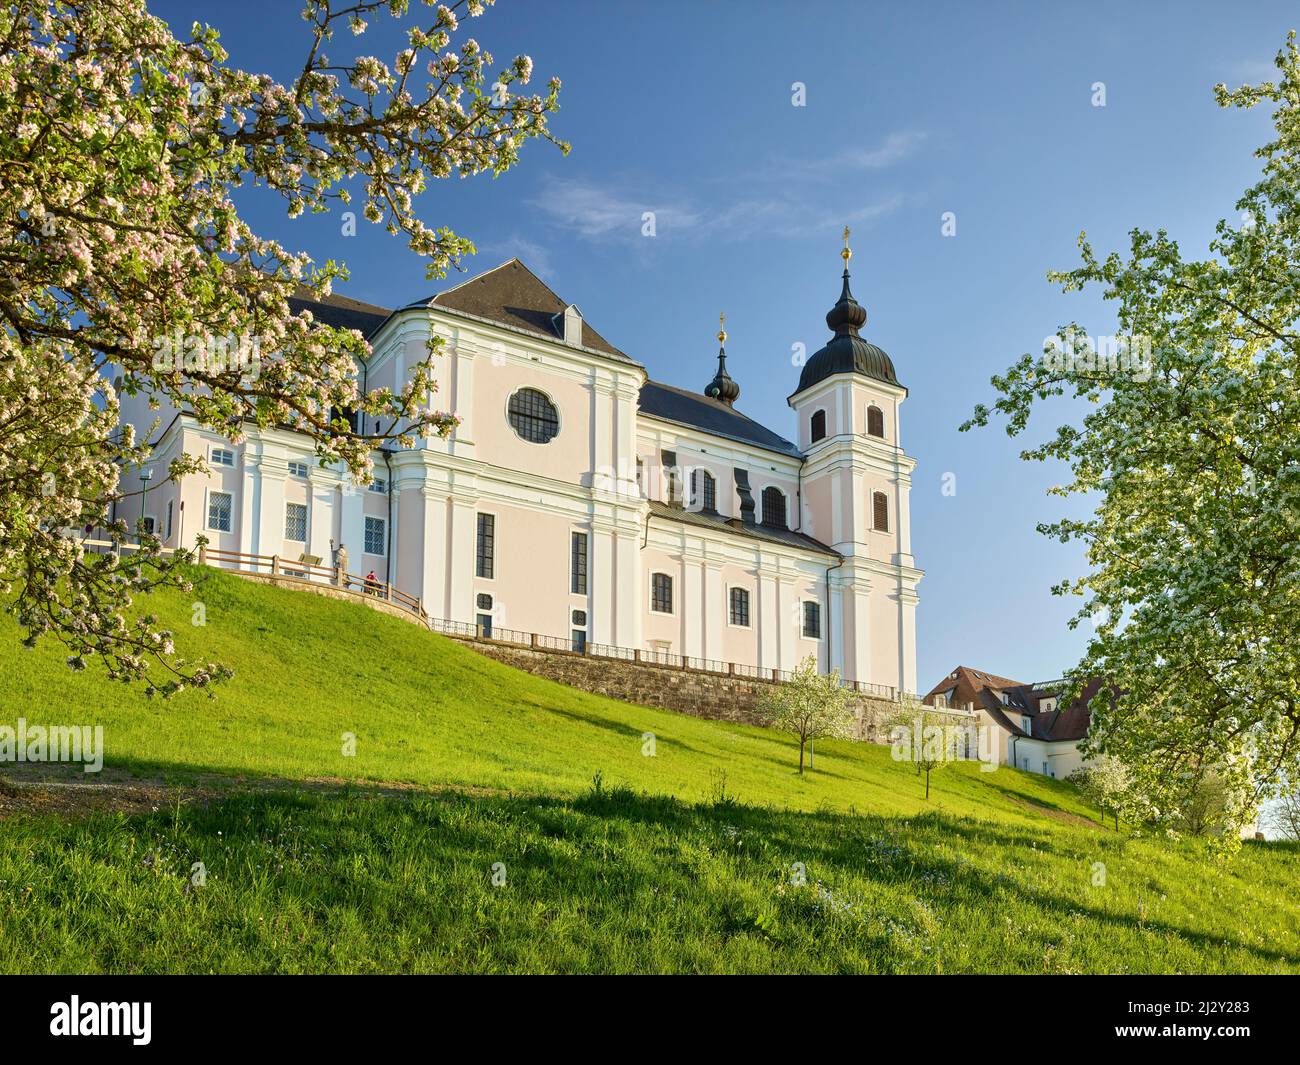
x=563 y=847
x=427 y=710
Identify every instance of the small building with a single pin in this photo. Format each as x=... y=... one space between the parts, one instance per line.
x=1036 y=733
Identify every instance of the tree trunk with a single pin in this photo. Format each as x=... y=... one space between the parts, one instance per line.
x=927 y=783
x=802 y=741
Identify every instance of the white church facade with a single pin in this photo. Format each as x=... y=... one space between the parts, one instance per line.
x=578 y=498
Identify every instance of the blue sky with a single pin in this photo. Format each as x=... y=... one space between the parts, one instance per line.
x=911 y=111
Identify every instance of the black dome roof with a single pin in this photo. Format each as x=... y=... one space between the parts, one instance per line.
x=847 y=352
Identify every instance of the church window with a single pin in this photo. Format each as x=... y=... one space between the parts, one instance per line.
x=533 y=416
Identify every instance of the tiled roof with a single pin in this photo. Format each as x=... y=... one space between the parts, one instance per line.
x=985 y=690
x=513 y=295
x=342 y=312
x=711 y=416
x=968 y=683
x=718 y=523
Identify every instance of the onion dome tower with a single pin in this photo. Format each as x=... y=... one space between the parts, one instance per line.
x=722 y=387
x=856 y=483
x=846 y=351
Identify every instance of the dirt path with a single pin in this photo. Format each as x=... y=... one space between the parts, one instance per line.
x=68 y=792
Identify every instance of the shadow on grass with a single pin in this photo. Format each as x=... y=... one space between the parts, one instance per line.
x=612 y=859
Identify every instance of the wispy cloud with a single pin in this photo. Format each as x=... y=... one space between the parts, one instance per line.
x=893 y=149
x=593 y=211
x=1250 y=71
x=777 y=200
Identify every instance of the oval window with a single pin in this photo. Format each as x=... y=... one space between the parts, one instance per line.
x=533 y=416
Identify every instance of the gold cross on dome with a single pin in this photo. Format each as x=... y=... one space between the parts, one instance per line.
x=722 y=328
x=846 y=254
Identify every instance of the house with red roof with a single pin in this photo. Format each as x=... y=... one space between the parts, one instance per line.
x=1038 y=734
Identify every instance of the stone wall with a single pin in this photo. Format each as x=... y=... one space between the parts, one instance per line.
x=716 y=696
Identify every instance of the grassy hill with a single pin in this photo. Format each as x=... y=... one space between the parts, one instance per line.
x=713 y=855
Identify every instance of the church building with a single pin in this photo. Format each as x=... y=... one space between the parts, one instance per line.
x=578 y=498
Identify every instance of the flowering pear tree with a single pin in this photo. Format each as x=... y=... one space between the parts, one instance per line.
x=1190 y=446
x=121 y=147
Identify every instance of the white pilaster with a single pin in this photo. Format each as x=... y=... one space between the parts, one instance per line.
x=692 y=608
x=627 y=590
x=352 y=528
x=270 y=511
x=460 y=576
x=249 y=495
x=769 y=620
x=320 y=516
x=433 y=555
x=602 y=585
x=715 y=610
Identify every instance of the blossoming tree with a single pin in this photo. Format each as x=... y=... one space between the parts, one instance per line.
x=1193 y=457
x=120 y=148
x=810 y=705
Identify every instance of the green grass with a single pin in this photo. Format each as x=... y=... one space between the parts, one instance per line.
x=652 y=871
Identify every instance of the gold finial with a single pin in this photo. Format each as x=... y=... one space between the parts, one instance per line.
x=722 y=330
x=847 y=253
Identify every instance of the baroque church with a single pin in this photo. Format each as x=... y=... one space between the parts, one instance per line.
x=579 y=499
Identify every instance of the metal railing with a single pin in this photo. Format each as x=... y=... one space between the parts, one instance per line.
x=373 y=590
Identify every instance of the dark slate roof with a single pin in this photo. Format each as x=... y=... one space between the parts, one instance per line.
x=342 y=312
x=848 y=354
x=701 y=412
x=846 y=351
x=513 y=295
x=718 y=523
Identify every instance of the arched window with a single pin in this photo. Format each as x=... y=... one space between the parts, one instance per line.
x=774 y=507
x=704 y=491
x=818 y=425
x=880 y=511
x=533 y=416
x=875 y=422
x=661 y=593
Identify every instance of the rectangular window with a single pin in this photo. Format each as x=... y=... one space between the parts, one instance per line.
x=379 y=485
x=220 y=510
x=298 y=469
x=485 y=553
x=578 y=564
x=295 y=521
x=812 y=620
x=222 y=456
x=374 y=536
x=170 y=504
x=148 y=524
x=580 y=641
x=880 y=511
x=661 y=593
x=740 y=607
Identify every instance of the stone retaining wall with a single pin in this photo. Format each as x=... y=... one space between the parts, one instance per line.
x=716 y=696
